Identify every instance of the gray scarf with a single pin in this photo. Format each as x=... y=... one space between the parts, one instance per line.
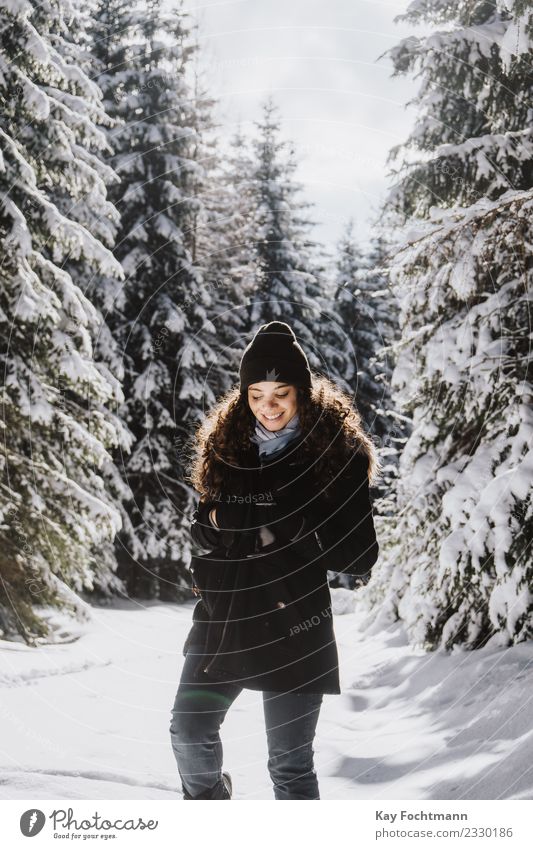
x=271 y=442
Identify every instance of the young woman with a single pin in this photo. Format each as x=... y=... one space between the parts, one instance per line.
x=283 y=469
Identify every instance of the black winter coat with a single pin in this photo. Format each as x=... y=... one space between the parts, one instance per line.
x=264 y=618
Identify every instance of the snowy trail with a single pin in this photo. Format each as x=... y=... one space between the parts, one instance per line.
x=89 y=719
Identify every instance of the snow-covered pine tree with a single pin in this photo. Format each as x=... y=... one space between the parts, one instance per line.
x=103 y=34
x=91 y=208
x=473 y=137
x=239 y=186
x=57 y=428
x=332 y=344
x=286 y=285
x=143 y=60
x=354 y=311
x=69 y=37
x=458 y=566
x=224 y=254
x=369 y=312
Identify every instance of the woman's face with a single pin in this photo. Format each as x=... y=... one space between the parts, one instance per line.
x=274 y=404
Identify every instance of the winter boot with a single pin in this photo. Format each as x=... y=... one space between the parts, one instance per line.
x=221 y=790
x=228 y=784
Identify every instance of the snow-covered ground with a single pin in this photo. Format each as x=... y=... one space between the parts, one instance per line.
x=90 y=718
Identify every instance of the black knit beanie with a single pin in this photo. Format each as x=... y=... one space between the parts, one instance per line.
x=274 y=354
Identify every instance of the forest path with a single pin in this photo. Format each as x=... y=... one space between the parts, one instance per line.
x=90 y=718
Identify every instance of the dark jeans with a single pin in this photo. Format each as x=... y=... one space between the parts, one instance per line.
x=199 y=710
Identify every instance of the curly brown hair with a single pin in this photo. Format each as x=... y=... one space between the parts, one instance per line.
x=330 y=421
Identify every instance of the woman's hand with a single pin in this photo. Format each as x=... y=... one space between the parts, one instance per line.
x=203 y=532
x=233 y=515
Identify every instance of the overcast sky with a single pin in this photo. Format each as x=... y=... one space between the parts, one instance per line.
x=339 y=104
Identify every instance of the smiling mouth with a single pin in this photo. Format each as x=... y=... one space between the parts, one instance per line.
x=272 y=418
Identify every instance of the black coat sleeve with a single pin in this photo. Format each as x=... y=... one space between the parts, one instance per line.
x=347 y=536
x=203 y=532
